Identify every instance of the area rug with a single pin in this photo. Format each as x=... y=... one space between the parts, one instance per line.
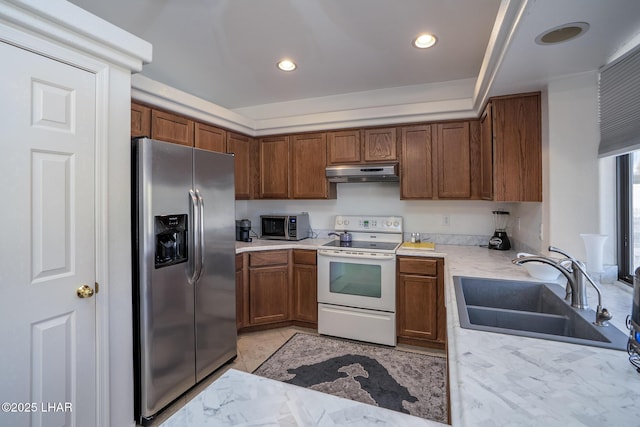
x=403 y=381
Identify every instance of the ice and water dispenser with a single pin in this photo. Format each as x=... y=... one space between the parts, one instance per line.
x=171 y=239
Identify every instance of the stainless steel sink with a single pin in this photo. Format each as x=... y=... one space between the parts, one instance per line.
x=529 y=309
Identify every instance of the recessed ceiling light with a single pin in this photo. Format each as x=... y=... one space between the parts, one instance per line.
x=562 y=33
x=287 y=65
x=424 y=41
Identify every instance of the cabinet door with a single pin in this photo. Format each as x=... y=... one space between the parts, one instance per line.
x=416 y=165
x=308 y=163
x=343 y=147
x=486 y=154
x=453 y=160
x=274 y=168
x=210 y=138
x=380 y=145
x=518 y=148
x=417 y=307
x=305 y=293
x=171 y=128
x=240 y=146
x=140 y=120
x=268 y=294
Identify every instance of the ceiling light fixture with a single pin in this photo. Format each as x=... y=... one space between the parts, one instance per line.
x=562 y=33
x=424 y=41
x=287 y=65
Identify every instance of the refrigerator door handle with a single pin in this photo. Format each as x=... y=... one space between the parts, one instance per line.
x=200 y=235
x=193 y=265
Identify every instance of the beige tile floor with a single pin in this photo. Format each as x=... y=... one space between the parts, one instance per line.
x=253 y=349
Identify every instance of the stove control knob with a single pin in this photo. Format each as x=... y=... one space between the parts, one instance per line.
x=345 y=222
x=396 y=223
x=388 y=223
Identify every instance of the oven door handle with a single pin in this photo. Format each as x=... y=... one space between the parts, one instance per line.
x=344 y=254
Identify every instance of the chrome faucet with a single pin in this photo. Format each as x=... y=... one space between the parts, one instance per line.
x=575 y=274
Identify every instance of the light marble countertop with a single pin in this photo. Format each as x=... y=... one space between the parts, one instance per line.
x=241 y=399
x=267 y=245
x=505 y=380
x=495 y=379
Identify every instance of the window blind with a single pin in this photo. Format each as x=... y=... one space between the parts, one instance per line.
x=619 y=104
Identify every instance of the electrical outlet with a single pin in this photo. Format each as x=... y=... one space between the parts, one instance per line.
x=446 y=220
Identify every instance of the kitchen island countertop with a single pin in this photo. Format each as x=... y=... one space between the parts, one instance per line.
x=506 y=380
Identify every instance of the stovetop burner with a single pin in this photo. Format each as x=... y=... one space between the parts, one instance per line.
x=381 y=246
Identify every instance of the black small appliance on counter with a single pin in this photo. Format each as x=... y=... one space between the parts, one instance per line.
x=243 y=227
x=500 y=240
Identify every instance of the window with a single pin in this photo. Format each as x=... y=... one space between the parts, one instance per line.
x=628 y=215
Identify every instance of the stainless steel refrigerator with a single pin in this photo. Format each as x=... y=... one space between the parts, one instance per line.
x=184 y=269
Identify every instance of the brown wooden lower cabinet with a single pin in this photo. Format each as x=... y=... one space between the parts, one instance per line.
x=276 y=288
x=305 y=288
x=420 y=311
x=268 y=287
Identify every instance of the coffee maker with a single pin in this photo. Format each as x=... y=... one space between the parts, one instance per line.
x=243 y=227
x=500 y=240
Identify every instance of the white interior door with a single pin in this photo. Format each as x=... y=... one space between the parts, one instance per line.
x=47 y=248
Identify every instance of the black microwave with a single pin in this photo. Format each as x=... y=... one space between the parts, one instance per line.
x=285 y=226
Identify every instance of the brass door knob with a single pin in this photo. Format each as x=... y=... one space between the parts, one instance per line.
x=84 y=291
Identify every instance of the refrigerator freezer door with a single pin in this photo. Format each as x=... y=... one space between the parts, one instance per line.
x=215 y=299
x=164 y=298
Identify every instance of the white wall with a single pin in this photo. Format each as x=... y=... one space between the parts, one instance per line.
x=121 y=395
x=425 y=216
x=572 y=199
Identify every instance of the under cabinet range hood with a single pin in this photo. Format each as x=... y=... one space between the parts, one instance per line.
x=363 y=173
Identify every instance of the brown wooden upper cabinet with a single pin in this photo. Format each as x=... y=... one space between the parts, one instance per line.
x=371 y=145
x=210 y=138
x=241 y=146
x=140 y=120
x=516 y=155
x=308 y=163
x=453 y=154
x=171 y=128
x=438 y=161
x=380 y=145
x=416 y=173
x=486 y=153
x=344 y=147
x=274 y=167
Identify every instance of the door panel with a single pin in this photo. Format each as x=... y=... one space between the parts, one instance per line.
x=51 y=200
x=48 y=333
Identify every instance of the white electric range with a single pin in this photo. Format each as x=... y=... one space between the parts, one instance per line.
x=357 y=280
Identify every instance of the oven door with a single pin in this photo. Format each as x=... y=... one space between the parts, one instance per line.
x=362 y=280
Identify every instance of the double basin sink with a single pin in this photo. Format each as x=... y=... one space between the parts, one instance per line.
x=529 y=309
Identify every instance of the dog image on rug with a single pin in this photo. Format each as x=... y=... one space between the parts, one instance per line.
x=402 y=381
x=384 y=390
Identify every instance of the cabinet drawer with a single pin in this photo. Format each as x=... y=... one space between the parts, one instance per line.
x=421 y=266
x=301 y=256
x=258 y=259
